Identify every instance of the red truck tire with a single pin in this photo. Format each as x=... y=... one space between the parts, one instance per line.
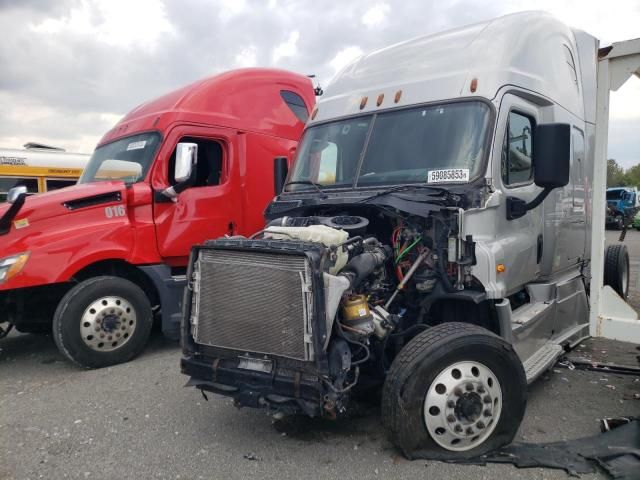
x=102 y=321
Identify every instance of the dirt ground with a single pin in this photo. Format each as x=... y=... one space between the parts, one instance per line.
x=137 y=421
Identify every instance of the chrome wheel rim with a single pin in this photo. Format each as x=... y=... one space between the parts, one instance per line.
x=462 y=406
x=108 y=323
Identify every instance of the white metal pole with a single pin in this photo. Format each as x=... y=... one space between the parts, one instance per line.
x=599 y=196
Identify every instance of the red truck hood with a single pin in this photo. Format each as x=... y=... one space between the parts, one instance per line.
x=63 y=201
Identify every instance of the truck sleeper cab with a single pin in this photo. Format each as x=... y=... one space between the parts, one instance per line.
x=432 y=241
x=110 y=254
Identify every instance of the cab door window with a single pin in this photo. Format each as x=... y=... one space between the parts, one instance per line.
x=210 y=167
x=517 y=168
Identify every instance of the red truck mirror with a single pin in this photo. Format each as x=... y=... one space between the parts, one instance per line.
x=280 y=171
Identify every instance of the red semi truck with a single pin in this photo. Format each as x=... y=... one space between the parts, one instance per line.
x=96 y=262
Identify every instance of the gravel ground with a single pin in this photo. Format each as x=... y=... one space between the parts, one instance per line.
x=137 y=421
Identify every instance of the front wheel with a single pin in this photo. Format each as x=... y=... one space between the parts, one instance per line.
x=455 y=391
x=102 y=321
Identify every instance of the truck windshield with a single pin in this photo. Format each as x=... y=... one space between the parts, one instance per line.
x=614 y=194
x=127 y=159
x=395 y=147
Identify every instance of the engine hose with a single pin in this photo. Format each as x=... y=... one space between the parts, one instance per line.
x=443 y=273
x=361 y=266
x=409 y=330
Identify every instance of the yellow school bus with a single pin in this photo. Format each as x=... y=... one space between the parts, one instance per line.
x=40 y=168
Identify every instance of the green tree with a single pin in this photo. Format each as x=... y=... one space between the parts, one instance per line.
x=632 y=176
x=615 y=174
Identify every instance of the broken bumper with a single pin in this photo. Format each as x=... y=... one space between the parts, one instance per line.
x=281 y=390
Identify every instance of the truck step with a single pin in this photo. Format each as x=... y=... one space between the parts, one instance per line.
x=542 y=360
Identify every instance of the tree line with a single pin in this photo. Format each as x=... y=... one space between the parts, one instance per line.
x=619 y=177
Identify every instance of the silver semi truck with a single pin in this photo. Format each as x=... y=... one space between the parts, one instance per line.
x=432 y=242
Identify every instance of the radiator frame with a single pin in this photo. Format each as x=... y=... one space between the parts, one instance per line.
x=315 y=255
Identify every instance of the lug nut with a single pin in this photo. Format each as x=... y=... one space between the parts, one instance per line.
x=451 y=418
x=470 y=431
x=487 y=399
x=469 y=387
x=458 y=428
x=480 y=425
x=487 y=413
x=481 y=389
x=457 y=391
x=451 y=404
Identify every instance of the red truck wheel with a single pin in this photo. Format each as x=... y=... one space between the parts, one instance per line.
x=102 y=321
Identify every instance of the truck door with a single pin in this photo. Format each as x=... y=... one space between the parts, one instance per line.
x=206 y=209
x=520 y=239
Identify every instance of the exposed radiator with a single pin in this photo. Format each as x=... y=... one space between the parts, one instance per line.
x=253 y=302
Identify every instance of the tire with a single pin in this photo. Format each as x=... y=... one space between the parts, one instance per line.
x=616 y=268
x=413 y=386
x=102 y=321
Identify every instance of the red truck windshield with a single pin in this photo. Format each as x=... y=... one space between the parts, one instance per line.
x=126 y=159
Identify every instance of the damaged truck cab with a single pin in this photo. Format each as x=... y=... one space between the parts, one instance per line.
x=431 y=240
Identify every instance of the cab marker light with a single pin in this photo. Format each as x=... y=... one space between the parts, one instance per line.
x=500 y=268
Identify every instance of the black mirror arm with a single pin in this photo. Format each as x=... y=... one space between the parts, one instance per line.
x=516 y=207
x=7 y=218
x=170 y=194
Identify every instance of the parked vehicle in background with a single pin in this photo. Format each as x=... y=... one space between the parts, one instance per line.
x=105 y=255
x=39 y=168
x=622 y=206
x=432 y=241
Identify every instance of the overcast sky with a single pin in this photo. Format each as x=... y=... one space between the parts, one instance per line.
x=69 y=69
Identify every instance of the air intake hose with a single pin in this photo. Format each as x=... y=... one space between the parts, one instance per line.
x=361 y=266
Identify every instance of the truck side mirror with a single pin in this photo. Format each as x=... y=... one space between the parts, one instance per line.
x=552 y=155
x=551 y=165
x=16 y=197
x=280 y=171
x=15 y=192
x=186 y=159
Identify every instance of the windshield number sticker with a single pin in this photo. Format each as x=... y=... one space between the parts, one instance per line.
x=448 y=175
x=115 y=211
x=136 y=145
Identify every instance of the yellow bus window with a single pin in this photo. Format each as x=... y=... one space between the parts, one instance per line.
x=7 y=183
x=57 y=183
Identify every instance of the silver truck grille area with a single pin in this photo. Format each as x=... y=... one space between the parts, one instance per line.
x=253 y=302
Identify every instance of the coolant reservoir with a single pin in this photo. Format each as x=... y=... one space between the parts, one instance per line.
x=328 y=236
